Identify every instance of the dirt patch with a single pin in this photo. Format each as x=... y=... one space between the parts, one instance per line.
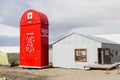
x=13 y=75
x=16 y=73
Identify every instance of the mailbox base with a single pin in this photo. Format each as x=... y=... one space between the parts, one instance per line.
x=39 y=67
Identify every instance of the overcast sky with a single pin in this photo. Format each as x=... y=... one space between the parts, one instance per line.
x=64 y=15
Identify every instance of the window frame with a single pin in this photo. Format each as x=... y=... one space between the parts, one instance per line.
x=81 y=49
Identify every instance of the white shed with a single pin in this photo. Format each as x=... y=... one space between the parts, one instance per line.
x=9 y=54
x=76 y=51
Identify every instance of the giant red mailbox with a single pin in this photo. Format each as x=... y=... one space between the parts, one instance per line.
x=33 y=39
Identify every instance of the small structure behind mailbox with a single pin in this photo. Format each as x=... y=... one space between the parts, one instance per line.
x=33 y=40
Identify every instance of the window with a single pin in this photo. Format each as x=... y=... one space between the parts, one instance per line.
x=106 y=52
x=81 y=55
x=118 y=51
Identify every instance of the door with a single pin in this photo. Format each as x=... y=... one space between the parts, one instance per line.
x=104 y=56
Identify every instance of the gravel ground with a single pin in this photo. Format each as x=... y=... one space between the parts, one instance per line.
x=16 y=73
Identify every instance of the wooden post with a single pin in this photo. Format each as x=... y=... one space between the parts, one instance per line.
x=118 y=69
x=4 y=78
x=106 y=69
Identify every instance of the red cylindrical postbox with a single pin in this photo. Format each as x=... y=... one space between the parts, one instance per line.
x=33 y=39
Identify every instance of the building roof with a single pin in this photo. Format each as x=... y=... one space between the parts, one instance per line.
x=102 y=40
x=10 y=49
x=98 y=39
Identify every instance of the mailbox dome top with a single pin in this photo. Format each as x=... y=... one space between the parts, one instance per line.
x=33 y=17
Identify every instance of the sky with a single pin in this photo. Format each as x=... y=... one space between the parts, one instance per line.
x=64 y=16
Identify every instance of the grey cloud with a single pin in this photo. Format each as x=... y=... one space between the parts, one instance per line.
x=65 y=12
x=64 y=15
x=1 y=20
x=9 y=41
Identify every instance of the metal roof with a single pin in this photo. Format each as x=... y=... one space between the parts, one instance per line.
x=98 y=39
x=102 y=40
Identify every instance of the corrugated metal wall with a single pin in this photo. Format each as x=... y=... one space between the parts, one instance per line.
x=63 y=51
x=115 y=50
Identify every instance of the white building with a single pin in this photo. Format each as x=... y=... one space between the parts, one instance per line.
x=76 y=51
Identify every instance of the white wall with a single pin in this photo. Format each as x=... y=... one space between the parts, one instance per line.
x=63 y=51
x=92 y=52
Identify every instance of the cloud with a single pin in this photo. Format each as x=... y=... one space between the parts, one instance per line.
x=80 y=13
x=83 y=12
x=9 y=41
x=96 y=30
x=112 y=37
x=64 y=15
x=9 y=31
x=1 y=20
x=9 y=35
